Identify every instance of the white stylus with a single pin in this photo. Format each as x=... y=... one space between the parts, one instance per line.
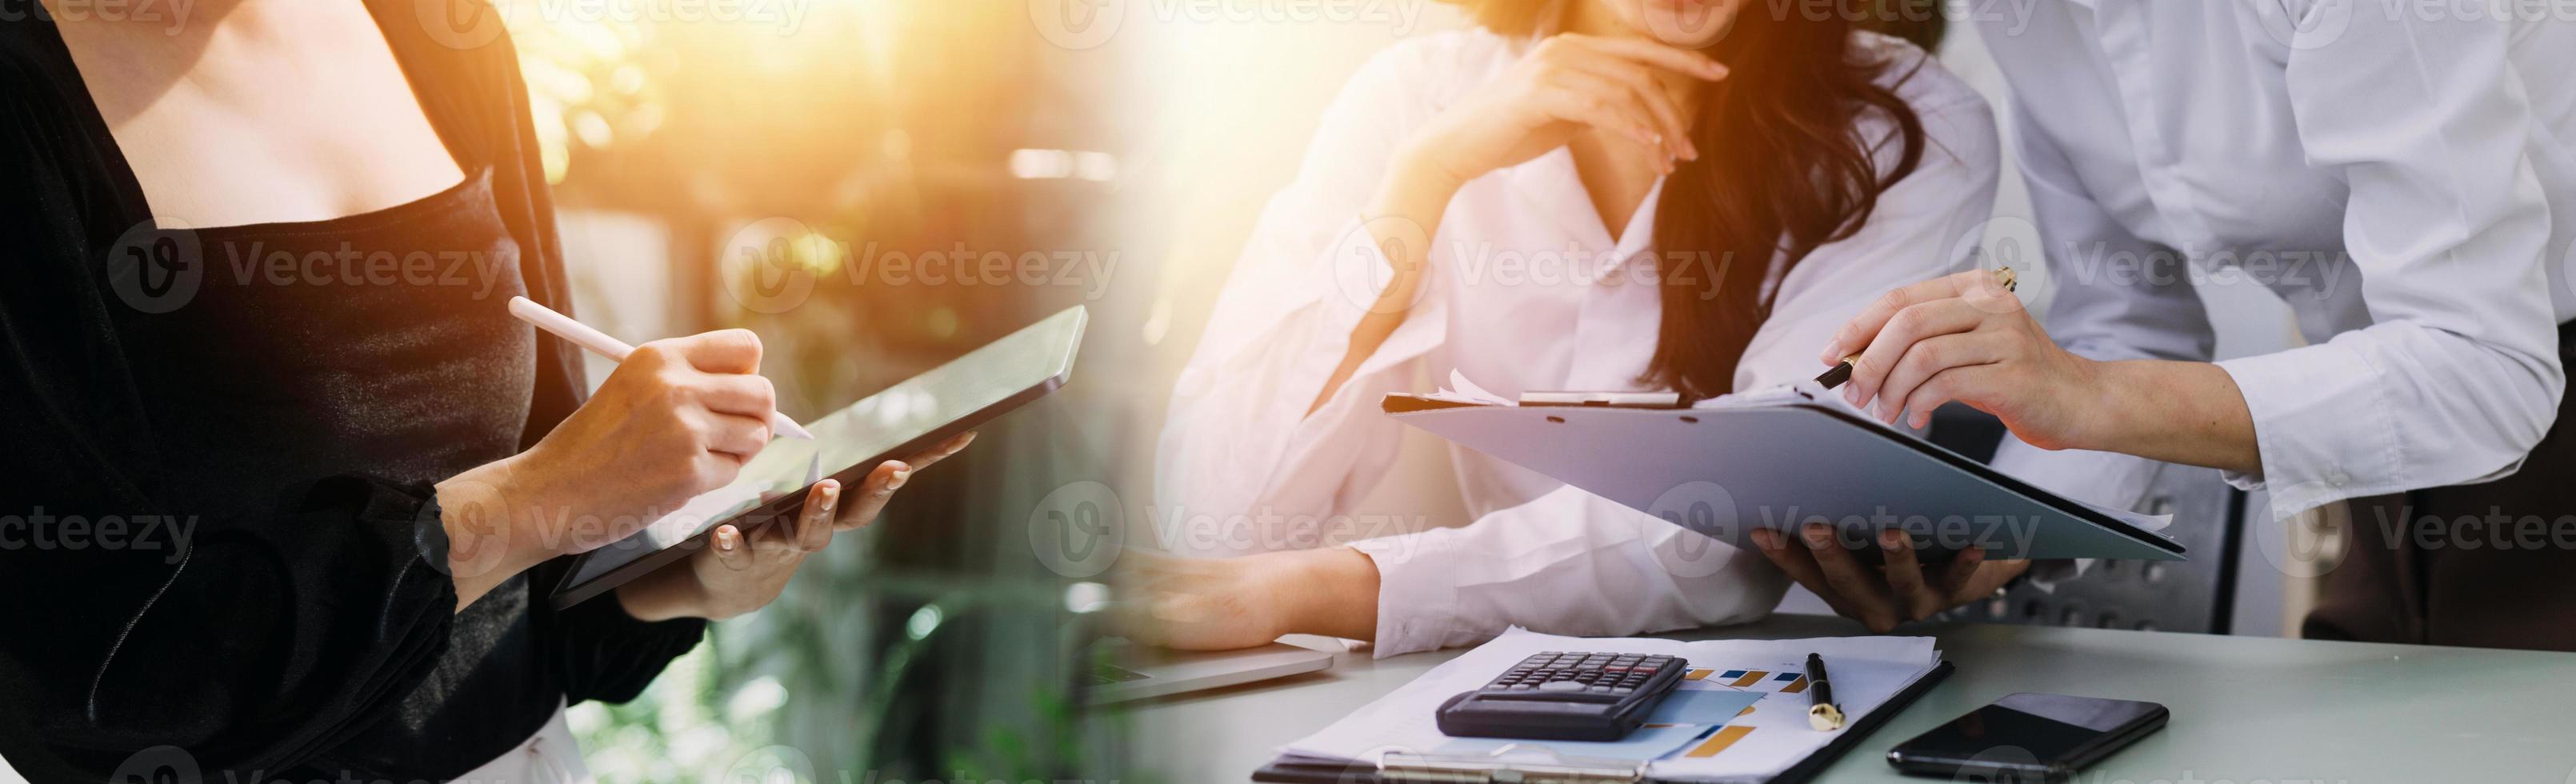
x=615 y=350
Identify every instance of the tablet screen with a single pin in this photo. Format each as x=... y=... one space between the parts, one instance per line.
x=927 y=409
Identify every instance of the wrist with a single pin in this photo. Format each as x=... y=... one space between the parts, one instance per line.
x=1330 y=591
x=663 y=596
x=491 y=521
x=2104 y=419
x=1420 y=170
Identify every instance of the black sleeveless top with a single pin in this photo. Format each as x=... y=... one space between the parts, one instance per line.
x=257 y=414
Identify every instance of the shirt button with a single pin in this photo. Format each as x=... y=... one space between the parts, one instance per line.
x=2338 y=478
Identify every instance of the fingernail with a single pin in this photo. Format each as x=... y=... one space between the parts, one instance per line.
x=899 y=476
x=1851 y=394
x=1891 y=539
x=1765 y=539
x=1819 y=535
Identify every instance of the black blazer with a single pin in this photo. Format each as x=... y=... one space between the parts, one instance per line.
x=297 y=639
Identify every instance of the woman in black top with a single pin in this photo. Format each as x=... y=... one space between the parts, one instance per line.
x=286 y=494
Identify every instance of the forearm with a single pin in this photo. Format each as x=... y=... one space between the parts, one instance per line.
x=2178 y=412
x=1401 y=219
x=491 y=534
x=1331 y=591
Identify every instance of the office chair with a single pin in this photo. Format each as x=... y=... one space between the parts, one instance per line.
x=2196 y=595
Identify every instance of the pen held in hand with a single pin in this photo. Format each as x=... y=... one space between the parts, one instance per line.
x=615 y=350
x=1842 y=371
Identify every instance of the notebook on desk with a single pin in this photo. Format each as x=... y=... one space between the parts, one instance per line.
x=1740 y=714
x=1775 y=459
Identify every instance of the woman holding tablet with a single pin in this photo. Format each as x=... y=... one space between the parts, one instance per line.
x=1685 y=195
x=301 y=526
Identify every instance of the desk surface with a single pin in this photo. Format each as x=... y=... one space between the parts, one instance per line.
x=2245 y=709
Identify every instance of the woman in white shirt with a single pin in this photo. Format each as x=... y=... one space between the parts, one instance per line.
x=1668 y=194
x=2403 y=177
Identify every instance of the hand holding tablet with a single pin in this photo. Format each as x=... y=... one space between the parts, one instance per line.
x=910 y=418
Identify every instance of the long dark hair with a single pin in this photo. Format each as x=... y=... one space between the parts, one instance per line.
x=1783 y=169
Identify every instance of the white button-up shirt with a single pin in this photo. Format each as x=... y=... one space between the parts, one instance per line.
x=1527 y=290
x=2399 y=172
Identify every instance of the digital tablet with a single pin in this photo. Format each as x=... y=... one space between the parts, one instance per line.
x=917 y=414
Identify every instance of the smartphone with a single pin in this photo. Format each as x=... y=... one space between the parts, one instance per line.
x=2027 y=738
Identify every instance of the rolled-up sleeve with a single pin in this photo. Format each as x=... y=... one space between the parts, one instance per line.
x=2458 y=376
x=1568 y=562
x=2099 y=310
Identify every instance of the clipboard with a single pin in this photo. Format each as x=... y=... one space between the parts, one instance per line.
x=1468 y=770
x=1778 y=462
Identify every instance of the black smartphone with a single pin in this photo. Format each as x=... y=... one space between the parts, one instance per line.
x=2027 y=738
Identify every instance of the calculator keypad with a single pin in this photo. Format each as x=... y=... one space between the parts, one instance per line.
x=1592 y=673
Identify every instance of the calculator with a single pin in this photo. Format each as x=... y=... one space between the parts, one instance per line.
x=1560 y=695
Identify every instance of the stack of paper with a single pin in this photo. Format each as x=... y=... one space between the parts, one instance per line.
x=1740 y=712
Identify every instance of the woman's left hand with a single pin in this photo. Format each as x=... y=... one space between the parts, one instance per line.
x=737 y=573
x=1903 y=590
x=1965 y=337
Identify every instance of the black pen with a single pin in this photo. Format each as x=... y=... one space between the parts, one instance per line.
x=1842 y=370
x=1821 y=713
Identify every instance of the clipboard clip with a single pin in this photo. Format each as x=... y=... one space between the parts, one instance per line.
x=1513 y=764
x=1538 y=398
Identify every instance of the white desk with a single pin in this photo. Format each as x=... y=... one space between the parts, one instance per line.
x=2245 y=709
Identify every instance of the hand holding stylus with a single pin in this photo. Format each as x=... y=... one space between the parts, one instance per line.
x=615 y=350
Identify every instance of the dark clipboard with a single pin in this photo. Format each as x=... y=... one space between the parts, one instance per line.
x=1283 y=771
x=1291 y=772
